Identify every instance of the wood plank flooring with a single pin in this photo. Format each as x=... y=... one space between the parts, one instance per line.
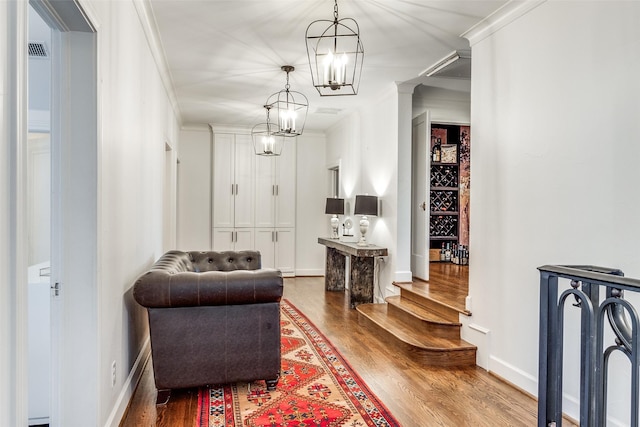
x=415 y=394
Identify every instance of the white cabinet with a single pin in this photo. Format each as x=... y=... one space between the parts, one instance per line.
x=254 y=199
x=233 y=180
x=276 y=188
x=233 y=193
x=232 y=239
x=277 y=249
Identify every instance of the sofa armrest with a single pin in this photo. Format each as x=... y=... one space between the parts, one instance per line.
x=159 y=288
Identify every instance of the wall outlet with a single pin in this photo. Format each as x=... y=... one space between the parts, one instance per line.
x=113 y=373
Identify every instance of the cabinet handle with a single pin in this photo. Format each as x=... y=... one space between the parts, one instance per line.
x=277 y=190
x=276 y=237
x=233 y=192
x=273 y=190
x=236 y=189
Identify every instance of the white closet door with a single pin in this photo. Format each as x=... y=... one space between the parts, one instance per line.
x=223 y=180
x=244 y=167
x=285 y=205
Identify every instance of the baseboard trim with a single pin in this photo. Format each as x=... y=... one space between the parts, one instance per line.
x=129 y=386
x=310 y=272
x=514 y=375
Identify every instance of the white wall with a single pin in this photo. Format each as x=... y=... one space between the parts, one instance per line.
x=367 y=144
x=311 y=222
x=137 y=120
x=194 y=193
x=445 y=105
x=555 y=130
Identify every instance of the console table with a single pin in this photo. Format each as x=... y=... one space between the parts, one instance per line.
x=362 y=263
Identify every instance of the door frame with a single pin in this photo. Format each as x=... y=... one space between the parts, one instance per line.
x=74 y=211
x=420 y=194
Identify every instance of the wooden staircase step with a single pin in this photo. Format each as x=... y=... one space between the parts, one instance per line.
x=422 y=294
x=432 y=350
x=417 y=317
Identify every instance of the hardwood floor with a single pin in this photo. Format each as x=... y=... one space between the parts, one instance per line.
x=415 y=394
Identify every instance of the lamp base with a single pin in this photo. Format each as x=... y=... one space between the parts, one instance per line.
x=335 y=223
x=364 y=226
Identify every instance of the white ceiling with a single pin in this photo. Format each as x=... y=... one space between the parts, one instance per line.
x=225 y=56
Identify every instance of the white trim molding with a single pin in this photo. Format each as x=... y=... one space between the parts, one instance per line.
x=150 y=28
x=502 y=17
x=129 y=386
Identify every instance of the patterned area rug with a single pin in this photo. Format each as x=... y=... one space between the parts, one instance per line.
x=317 y=388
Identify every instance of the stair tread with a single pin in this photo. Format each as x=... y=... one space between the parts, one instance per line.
x=424 y=290
x=419 y=311
x=377 y=313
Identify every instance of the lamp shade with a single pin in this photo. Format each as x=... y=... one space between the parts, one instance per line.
x=334 y=206
x=366 y=205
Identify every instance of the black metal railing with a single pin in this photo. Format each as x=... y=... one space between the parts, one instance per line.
x=587 y=284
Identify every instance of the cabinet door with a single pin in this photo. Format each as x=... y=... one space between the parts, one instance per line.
x=265 y=191
x=223 y=239
x=265 y=244
x=232 y=239
x=285 y=200
x=243 y=239
x=285 y=249
x=244 y=167
x=223 y=180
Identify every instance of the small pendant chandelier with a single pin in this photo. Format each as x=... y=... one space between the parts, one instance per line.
x=265 y=140
x=335 y=55
x=290 y=108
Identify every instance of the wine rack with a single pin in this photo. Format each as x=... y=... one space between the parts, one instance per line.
x=444 y=176
x=444 y=201
x=444 y=226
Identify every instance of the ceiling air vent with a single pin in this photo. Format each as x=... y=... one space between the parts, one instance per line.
x=38 y=50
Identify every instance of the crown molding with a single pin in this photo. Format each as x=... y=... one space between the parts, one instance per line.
x=502 y=17
x=152 y=34
x=196 y=127
x=218 y=128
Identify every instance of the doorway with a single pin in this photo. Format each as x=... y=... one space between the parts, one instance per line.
x=67 y=104
x=440 y=202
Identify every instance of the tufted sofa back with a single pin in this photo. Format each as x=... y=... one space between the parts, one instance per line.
x=200 y=261
x=225 y=261
x=186 y=279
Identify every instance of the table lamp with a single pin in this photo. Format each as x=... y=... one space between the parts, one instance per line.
x=334 y=207
x=365 y=206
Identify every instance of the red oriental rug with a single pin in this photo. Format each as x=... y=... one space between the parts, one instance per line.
x=317 y=388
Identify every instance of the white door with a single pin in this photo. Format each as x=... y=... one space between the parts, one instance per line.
x=265 y=191
x=244 y=191
x=244 y=239
x=223 y=180
x=265 y=238
x=420 y=197
x=285 y=208
x=285 y=251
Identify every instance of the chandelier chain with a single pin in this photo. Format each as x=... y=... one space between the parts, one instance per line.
x=335 y=11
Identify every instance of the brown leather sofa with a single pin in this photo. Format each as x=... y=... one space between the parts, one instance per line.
x=214 y=318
